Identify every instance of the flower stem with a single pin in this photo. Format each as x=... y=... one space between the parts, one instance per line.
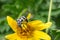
x=49 y=14
x=50 y=9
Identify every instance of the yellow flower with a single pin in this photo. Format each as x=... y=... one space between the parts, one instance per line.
x=31 y=31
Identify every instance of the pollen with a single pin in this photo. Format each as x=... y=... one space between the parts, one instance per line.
x=25 y=31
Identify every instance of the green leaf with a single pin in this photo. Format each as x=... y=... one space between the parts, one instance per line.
x=57 y=37
x=53 y=34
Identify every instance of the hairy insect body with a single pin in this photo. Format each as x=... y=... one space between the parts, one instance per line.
x=21 y=20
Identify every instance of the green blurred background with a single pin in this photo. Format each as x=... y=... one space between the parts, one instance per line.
x=39 y=10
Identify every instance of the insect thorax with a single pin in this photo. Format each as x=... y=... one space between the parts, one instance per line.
x=21 y=20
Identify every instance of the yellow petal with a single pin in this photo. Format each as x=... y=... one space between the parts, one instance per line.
x=12 y=37
x=44 y=26
x=39 y=25
x=12 y=23
x=16 y=37
x=41 y=35
x=33 y=38
x=34 y=23
x=29 y=16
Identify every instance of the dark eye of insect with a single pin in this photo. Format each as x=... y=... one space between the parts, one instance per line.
x=20 y=20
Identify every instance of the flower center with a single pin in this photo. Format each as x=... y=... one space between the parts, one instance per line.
x=25 y=31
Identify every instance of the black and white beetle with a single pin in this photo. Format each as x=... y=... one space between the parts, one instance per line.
x=21 y=19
